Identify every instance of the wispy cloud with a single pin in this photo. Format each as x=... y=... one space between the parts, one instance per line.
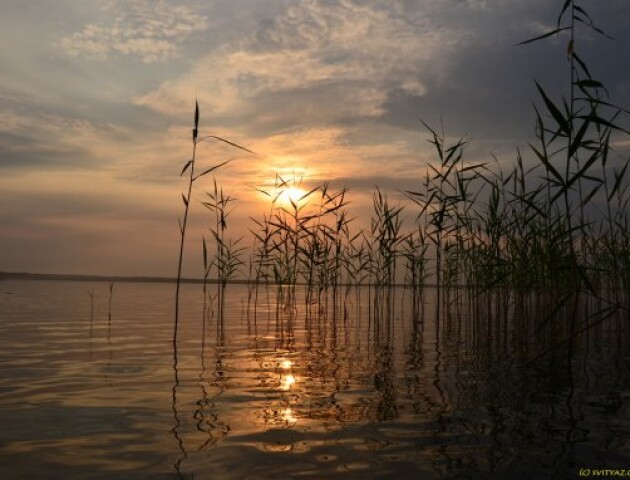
x=35 y=138
x=151 y=30
x=333 y=58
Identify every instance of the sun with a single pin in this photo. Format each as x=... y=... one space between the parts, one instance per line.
x=291 y=194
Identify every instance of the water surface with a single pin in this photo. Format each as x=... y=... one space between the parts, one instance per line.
x=289 y=390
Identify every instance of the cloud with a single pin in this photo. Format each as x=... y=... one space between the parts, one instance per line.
x=34 y=139
x=152 y=30
x=326 y=59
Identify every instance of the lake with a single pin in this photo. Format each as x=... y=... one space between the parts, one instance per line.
x=342 y=388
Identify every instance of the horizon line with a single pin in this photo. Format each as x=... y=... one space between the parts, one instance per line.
x=69 y=277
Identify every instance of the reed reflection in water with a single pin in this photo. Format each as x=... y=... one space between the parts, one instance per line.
x=374 y=385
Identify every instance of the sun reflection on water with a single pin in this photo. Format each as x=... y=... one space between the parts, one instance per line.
x=287 y=381
x=288 y=417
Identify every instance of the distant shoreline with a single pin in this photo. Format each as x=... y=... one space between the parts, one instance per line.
x=62 y=277
x=102 y=278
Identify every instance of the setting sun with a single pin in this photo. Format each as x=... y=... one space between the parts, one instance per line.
x=291 y=194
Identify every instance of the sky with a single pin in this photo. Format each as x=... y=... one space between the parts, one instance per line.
x=97 y=100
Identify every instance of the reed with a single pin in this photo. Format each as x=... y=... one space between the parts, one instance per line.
x=189 y=166
x=551 y=228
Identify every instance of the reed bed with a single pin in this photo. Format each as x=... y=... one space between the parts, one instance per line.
x=553 y=229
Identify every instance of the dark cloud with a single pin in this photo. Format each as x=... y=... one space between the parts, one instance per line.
x=369 y=184
x=28 y=153
x=489 y=89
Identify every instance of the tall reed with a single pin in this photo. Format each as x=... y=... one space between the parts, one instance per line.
x=190 y=167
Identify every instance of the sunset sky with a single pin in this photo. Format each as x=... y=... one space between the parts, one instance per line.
x=97 y=100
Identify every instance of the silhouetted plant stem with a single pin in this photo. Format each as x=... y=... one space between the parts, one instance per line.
x=190 y=165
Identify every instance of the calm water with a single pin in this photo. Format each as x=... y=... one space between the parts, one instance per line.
x=290 y=392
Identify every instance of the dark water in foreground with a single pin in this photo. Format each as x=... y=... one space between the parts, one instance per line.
x=286 y=393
